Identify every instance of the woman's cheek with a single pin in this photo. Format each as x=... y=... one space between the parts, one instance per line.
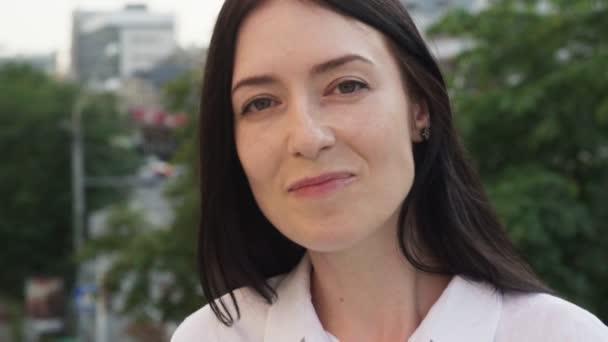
x=368 y=129
x=258 y=152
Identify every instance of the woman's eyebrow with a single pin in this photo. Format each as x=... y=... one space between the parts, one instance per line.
x=315 y=70
x=254 y=81
x=338 y=62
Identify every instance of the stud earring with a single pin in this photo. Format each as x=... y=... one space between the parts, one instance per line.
x=426 y=133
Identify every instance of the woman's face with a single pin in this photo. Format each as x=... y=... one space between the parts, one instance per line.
x=323 y=124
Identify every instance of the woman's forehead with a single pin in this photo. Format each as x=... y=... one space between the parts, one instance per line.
x=301 y=33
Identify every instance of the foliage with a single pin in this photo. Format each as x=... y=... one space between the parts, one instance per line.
x=108 y=151
x=151 y=265
x=35 y=177
x=142 y=253
x=530 y=97
x=13 y=309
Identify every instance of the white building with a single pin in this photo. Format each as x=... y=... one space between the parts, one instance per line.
x=112 y=46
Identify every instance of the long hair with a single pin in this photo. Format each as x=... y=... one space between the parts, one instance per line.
x=446 y=212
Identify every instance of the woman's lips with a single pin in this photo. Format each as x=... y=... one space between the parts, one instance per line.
x=321 y=185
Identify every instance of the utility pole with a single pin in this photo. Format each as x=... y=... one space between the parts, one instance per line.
x=78 y=176
x=78 y=196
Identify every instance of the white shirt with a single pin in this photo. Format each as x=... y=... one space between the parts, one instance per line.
x=466 y=311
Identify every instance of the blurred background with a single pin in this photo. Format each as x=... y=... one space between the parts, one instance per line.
x=98 y=112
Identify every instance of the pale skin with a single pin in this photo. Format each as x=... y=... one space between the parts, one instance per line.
x=315 y=92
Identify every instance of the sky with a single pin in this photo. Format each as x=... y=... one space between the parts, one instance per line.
x=43 y=26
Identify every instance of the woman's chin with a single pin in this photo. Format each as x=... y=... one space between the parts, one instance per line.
x=327 y=239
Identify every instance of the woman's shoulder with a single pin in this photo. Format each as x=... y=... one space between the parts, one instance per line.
x=198 y=325
x=203 y=325
x=533 y=317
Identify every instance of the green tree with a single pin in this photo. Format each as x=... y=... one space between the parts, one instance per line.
x=35 y=206
x=142 y=252
x=530 y=98
x=107 y=135
x=34 y=177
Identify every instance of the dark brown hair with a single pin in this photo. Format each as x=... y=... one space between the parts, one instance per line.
x=448 y=212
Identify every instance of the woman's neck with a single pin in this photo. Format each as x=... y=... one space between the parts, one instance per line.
x=370 y=292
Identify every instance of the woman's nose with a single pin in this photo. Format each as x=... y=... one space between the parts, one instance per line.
x=308 y=135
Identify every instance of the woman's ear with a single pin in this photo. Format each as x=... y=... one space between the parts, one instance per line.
x=420 y=120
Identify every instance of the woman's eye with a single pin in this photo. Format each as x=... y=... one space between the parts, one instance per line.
x=258 y=105
x=349 y=87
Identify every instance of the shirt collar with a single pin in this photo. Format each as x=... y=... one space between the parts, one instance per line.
x=465 y=311
x=293 y=317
